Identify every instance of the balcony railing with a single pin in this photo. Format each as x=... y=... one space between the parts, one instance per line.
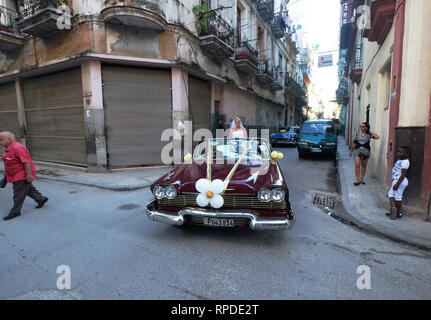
x=216 y=36
x=266 y=9
x=246 y=51
x=357 y=65
x=278 y=79
x=218 y=27
x=7 y=17
x=31 y=7
x=264 y=75
x=349 y=13
x=357 y=61
x=278 y=27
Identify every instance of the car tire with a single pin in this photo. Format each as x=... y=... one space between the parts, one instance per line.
x=301 y=155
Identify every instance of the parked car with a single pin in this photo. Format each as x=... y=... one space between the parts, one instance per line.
x=286 y=135
x=242 y=187
x=317 y=136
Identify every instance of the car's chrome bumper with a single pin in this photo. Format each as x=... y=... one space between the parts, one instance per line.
x=256 y=223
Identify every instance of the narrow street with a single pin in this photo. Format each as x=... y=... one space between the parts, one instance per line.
x=115 y=252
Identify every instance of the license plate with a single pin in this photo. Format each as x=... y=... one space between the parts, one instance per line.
x=316 y=150
x=216 y=222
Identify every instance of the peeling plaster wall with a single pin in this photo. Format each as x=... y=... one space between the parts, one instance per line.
x=70 y=43
x=126 y=41
x=87 y=7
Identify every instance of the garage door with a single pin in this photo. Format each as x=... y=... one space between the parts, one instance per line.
x=137 y=104
x=200 y=103
x=54 y=115
x=8 y=110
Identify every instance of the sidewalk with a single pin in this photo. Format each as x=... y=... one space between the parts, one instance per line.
x=367 y=204
x=117 y=180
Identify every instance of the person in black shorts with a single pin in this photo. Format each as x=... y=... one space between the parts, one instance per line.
x=361 y=151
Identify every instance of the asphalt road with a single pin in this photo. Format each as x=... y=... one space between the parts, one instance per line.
x=114 y=251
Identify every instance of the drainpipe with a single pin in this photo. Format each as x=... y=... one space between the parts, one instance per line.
x=397 y=65
x=428 y=218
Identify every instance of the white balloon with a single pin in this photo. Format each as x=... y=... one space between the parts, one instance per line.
x=217 y=201
x=217 y=186
x=203 y=185
x=202 y=200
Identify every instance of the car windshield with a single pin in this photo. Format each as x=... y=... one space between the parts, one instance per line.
x=317 y=128
x=231 y=149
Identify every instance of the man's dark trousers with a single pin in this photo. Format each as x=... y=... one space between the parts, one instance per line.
x=22 y=189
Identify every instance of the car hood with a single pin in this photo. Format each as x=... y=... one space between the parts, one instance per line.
x=316 y=138
x=246 y=179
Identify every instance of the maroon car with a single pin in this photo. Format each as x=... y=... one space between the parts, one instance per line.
x=227 y=183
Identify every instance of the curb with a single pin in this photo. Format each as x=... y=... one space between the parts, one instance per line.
x=95 y=185
x=354 y=218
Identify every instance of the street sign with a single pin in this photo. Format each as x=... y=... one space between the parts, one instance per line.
x=325 y=61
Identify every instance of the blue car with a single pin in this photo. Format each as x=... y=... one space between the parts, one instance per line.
x=286 y=136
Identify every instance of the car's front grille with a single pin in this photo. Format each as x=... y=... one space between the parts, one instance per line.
x=230 y=201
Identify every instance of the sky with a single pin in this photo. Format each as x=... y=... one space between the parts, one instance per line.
x=320 y=20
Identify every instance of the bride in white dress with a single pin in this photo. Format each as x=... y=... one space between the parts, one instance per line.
x=237 y=130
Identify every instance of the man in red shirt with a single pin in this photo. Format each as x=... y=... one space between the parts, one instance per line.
x=19 y=170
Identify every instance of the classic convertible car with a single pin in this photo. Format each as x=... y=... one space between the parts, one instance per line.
x=227 y=183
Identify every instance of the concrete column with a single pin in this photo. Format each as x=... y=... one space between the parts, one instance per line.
x=180 y=102
x=94 y=116
x=21 y=112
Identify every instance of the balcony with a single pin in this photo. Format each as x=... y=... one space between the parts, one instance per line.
x=216 y=36
x=246 y=60
x=144 y=14
x=347 y=26
x=278 y=80
x=42 y=18
x=264 y=75
x=266 y=9
x=357 y=65
x=382 y=16
x=9 y=39
x=349 y=12
x=293 y=88
x=278 y=27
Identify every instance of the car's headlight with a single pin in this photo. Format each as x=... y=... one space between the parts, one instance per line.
x=159 y=192
x=331 y=143
x=302 y=143
x=277 y=195
x=264 y=195
x=170 y=192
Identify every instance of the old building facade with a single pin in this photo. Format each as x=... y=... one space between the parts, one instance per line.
x=95 y=83
x=387 y=82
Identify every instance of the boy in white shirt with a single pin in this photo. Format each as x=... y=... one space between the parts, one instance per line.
x=399 y=182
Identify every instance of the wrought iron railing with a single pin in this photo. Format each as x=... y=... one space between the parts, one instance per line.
x=217 y=26
x=7 y=17
x=31 y=7
x=278 y=76
x=265 y=5
x=349 y=13
x=246 y=51
x=264 y=66
x=278 y=26
x=357 y=61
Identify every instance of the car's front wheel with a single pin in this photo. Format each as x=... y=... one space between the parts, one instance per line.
x=301 y=154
